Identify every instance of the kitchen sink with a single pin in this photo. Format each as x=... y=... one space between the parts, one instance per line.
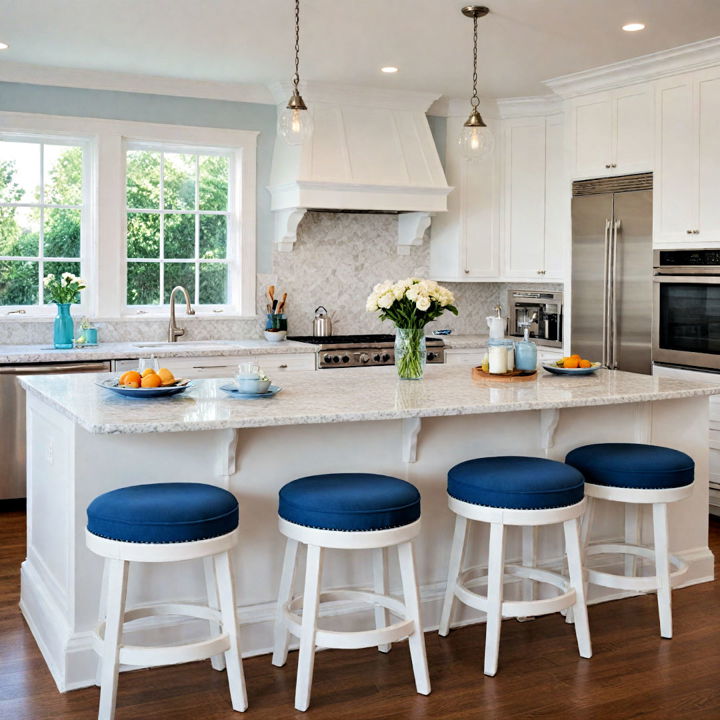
x=189 y=344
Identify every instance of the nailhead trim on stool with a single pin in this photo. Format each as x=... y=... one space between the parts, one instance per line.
x=166 y=522
x=527 y=492
x=636 y=474
x=348 y=511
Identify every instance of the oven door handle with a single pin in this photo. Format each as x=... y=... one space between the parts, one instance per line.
x=606 y=294
x=616 y=230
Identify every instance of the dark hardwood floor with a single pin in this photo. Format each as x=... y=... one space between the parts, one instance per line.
x=633 y=674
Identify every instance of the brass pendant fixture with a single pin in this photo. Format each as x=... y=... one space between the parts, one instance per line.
x=476 y=139
x=295 y=121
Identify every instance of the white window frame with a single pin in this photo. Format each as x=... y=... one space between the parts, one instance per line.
x=104 y=243
x=42 y=310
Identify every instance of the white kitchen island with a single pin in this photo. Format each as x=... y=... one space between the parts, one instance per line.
x=84 y=441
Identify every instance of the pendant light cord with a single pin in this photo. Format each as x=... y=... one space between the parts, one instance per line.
x=474 y=100
x=296 y=76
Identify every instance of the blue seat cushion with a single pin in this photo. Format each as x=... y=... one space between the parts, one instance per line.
x=519 y=483
x=163 y=513
x=350 y=501
x=633 y=465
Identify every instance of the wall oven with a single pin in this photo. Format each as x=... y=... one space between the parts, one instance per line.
x=686 y=308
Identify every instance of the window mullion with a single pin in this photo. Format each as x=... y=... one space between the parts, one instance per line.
x=196 y=264
x=41 y=234
x=161 y=263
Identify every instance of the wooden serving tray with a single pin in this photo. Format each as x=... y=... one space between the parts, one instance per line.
x=514 y=376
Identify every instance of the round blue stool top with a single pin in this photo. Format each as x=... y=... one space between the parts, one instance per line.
x=633 y=465
x=163 y=513
x=349 y=501
x=518 y=483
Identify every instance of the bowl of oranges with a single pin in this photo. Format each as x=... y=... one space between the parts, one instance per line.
x=572 y=365
x=148 y=383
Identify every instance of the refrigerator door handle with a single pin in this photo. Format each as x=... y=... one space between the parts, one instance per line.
x=606 y=296
x=614 y=323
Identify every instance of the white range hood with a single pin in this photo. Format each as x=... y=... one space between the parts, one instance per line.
x=371 y=150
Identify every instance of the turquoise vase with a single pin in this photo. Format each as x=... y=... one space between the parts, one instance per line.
x=63 y=330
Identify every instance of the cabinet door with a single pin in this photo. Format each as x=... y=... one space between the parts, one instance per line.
x=633 y=124
x=591 y=130
x=676 y=156
x=708 y=103
x=525 y=198
x=557 y=200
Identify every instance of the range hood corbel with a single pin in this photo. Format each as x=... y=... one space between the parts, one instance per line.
x=371 y=151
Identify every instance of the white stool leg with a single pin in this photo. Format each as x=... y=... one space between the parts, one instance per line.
x=662 y=568
x=632 y=536
x=380 y=586
x=287 y=581
x=496 y=562
x=102 y=606
x=117 y=574
x=217 y=661
x=412 y=611
x=455 y=565
x=228 y=610
x=585 y=531
x=529 y=559
x=311 y=600
x=577 y=582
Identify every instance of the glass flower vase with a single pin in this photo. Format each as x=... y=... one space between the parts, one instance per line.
x=63 y=329
x=410 y=353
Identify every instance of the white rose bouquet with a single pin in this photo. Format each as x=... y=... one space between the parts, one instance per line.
x=65 y=289
x=411 y=304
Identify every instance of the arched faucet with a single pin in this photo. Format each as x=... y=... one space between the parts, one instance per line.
x=174 y=332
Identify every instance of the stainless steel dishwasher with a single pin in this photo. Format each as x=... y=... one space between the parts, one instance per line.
x=12 y=418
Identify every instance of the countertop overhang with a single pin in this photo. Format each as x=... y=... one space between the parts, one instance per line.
x=345 y=395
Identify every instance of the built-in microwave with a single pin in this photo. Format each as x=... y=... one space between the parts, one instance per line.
x=686 y=308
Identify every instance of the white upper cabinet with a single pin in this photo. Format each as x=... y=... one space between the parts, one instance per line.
x=535 y=197
x=464 y=243
x=612 y=132
x=687 y=176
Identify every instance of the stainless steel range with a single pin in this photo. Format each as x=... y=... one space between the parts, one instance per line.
x=364 y=350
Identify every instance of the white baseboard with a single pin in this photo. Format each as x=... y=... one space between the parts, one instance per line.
x=72 y=660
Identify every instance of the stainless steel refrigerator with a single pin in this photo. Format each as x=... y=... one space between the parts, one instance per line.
x=611 y=315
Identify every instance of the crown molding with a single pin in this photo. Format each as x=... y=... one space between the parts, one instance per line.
x=529 y=106
x=355 y=95
x=127 y=82
x=460 y=107
x=644 y=68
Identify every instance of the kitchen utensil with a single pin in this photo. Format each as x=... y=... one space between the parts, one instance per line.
x=275 y=335
x=514 y=376
x=281 y=306
x=322 y=323
x=553 y=368
x=144 y=392
x=497 y=327
x=232 y=391
x=256 y=385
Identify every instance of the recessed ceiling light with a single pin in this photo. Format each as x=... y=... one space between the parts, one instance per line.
x=4 y=46
x=633 y=27
x=389 y=69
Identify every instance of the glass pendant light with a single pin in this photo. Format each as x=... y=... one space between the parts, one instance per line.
x=476 y=140
x=295 y=121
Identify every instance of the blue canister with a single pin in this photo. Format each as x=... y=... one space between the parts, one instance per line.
x=526 y=353
x=91 y=336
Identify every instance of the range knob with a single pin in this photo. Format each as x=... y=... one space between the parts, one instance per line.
x=327 y=359
x=364 y=358
x=376 y=357
x=385 y=357
x=336 y=358
x=345 y=359
x=431 y=356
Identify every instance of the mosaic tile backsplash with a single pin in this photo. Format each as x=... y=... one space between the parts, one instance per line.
x=337 y=259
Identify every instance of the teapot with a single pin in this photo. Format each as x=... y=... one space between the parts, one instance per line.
x=322 y=323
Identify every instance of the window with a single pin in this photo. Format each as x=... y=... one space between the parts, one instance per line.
x=41 y=215
x=178 y=224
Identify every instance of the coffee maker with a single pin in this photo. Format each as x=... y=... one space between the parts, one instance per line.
x=541 y=310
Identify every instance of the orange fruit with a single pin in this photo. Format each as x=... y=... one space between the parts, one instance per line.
x=151 y=380
x=571 y=362
x=565 y=360
x=166 y=376
x=132 y=384
x=131 y=376
x=148 y=371
x=122 y=378
x=575 y=355
x=585 y=364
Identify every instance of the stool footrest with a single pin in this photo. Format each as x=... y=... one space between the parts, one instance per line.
x=150 y=656
x=517 y=608
x=353 y=640
x=630 y=582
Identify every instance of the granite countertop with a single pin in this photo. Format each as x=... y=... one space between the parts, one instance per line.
x=17 y=354
x=345 y=395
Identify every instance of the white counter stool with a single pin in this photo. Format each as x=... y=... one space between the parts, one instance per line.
x=636 y=474
x=165 y=522
x=527 y=492
x=348 y=511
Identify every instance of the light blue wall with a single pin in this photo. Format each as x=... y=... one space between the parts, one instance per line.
x=19 y=97
x=50 y=100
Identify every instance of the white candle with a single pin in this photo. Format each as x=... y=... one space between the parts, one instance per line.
x=498 y=359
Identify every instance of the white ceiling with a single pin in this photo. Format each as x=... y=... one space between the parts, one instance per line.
x=522 y=42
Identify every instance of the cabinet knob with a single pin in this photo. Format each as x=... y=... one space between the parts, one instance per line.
x=608 y=166
x=696 y=232
x=614 y=165
x=689 y=232
x=283 y=366
x=467 y=272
